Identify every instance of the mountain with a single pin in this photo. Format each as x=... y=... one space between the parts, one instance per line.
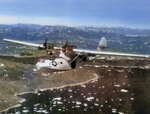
x=37 y=32
x=137 y=40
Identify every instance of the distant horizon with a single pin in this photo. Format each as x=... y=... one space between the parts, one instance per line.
x=74 y=26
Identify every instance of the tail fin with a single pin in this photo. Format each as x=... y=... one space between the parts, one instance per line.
x=102 y=43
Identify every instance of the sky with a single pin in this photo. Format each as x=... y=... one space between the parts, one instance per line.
x=98 y=13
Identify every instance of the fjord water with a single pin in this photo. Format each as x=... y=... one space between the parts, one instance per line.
x=117 y=89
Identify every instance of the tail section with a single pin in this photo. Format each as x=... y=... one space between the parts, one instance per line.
x=102 y=43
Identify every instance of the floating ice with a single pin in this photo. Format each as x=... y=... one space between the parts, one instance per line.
x=86 y=65
x=96 y=104
x=61 y=89
x=54 y=102
x=73 y=101
x=69 y=90
x=96 y=66
x=90 y=98
x=78 y=103
x=59 y=102
x=117 y=85
x=71 y=96
x=36 y=104
x=97 y=99
x=77 y=106
x=146 y=67
x=85 y=104
x=65 y=100
x=83 y=85
x=109 y=69
x=103 y=86
x=25 y=111
x=45 y=112
x=123 y=90
x=120 y=70
x=57 y=98
x=114 y=110
x=59 y=109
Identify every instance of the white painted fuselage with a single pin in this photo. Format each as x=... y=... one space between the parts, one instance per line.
x=56 y=64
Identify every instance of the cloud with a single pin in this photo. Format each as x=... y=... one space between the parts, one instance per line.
x=35 y=20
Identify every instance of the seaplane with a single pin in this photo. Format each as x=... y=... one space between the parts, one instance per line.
x=67 y=58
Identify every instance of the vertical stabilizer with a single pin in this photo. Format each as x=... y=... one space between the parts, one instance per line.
x=102 y=43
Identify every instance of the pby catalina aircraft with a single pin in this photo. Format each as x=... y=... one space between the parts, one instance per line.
x=68 y=55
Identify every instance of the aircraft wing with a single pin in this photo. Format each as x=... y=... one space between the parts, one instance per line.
x=108 y=53
x=25 y=43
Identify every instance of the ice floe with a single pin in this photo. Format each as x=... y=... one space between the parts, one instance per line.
x=58 y=102
x=25 y=111
x=123 y=90
x=120 y=70
x=96 y=66
x=78 y=103
x=132 y=98
x=114 y=110
x=36 y=104
x=69 y=90
x=57 y=98
x=85 y=104
x=96 y=104
x=83 y=86
x=90 y=98
x=80 y=67
x=117 y=85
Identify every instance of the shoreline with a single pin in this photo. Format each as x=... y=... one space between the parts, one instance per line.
x=93 y=78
